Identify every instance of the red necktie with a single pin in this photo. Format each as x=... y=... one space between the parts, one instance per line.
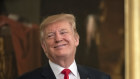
x=66 y=73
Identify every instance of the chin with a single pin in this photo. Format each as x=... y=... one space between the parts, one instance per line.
x=62 y=54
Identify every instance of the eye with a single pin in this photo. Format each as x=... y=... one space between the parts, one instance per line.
x=51 y=35
x=63 y=32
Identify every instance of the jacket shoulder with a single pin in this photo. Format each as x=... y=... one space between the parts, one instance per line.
x=93 y=73
x=35 y=74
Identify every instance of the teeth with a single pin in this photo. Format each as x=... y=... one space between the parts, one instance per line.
x=59 y=46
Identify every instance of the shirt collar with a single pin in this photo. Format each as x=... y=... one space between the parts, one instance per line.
x=73 y=68
x=57 y=68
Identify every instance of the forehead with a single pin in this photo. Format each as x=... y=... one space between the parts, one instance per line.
x=58 y=25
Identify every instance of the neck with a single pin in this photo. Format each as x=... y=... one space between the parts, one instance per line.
x=64 y=62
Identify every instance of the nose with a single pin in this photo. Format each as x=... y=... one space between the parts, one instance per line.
x=58 y=38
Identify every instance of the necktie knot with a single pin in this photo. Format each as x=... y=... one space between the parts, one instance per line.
x=66 y=73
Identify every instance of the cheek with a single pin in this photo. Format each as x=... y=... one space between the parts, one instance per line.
x=73 y=40
x=50 y=42
x=47 y=46
x=68 y=38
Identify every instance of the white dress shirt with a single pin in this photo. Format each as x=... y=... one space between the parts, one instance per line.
x=57 y=69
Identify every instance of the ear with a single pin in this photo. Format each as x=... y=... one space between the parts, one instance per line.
x=76 y=39
x=43 y=45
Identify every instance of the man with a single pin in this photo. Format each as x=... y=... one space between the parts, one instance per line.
x=59 y=40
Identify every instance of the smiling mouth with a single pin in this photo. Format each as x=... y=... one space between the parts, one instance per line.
x=59 y=46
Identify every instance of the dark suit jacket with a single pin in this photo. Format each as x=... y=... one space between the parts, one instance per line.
x=46 y=72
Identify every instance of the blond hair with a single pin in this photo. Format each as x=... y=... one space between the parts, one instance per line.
x=58 y=17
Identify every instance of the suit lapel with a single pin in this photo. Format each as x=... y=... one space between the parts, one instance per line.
x=47 y=72
x=84 y=74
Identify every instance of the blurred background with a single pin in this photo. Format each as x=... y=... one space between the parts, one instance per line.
x=100 y=24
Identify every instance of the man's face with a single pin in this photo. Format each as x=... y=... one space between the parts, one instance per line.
x=60 y=41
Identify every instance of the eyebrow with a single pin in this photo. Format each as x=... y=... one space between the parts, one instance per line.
x=49 y=33
x=63 y=30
